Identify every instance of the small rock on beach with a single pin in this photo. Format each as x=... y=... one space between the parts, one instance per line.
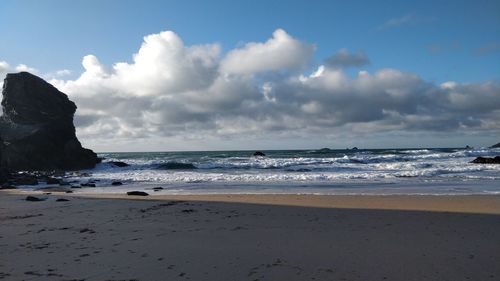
x=34 y=199
x=137 y=193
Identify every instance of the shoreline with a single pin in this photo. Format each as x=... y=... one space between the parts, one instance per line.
x=476 y=204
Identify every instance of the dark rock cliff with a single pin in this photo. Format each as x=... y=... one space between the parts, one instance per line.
x=36 y=129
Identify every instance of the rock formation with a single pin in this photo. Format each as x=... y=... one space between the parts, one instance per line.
x=496 y=145
x=487 y=160
x=36 y=129
x=259 y=153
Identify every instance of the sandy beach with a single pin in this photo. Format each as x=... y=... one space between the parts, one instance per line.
x=249 y=237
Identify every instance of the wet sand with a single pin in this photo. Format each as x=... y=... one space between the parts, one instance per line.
x=255 y=237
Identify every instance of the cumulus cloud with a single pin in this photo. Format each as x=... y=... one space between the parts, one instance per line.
x=345 y=59
x=6 y=68
x=23 y=67
x=170 y=91
x=280 y=52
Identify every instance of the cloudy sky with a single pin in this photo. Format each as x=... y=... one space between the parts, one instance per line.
x=215 y=75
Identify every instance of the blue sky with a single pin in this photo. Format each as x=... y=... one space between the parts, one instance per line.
x=438 y=41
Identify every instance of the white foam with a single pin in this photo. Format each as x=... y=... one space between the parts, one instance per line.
x=395 y=167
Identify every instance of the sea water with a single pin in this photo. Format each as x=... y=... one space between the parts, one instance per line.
x=325 y=171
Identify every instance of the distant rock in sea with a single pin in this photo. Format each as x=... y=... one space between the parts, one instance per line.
x=487 y=160
x=118 y=164
x=36 y=129
x=259 y=153
x=496 y=145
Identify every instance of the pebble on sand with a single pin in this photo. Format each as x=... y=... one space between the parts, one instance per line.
x=137 y=193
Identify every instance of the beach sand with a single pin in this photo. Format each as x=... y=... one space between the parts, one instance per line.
x=250 y=237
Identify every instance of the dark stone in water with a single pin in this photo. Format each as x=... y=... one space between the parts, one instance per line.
x=158 y=188
x=118 y=164
x=487 y=160
x=496 y=145
x=354 y=148
x=69 y=191
x=6 y=187
x=259 y=153
x=137 y=193
x=62 y=200
x=88 y=184
x=34 y=199
x=51 y=180
x=24 y=179
x=36 y=128
x=117 y=183
x=176 y=166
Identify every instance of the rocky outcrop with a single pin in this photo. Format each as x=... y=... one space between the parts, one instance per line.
x=36 y=129
x=496 y=145
x=487 y=160
x=259 y=153
x=118 y=164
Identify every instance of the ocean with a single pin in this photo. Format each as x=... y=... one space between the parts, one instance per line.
x=432 y=171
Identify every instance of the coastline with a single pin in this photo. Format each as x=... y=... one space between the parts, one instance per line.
x=249 y=237
x=480 y=204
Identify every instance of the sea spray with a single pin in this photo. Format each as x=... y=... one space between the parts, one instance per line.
x=312 y=171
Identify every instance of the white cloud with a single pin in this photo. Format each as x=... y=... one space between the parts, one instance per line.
x=93 y=67
x=23 y=67
x=281 y=52
x=4 y=66
x=62 y=72
x=173 y=93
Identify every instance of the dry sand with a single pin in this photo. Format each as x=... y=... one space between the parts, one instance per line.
x=257 y=237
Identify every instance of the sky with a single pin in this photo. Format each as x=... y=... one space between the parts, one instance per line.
x=224 y=75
